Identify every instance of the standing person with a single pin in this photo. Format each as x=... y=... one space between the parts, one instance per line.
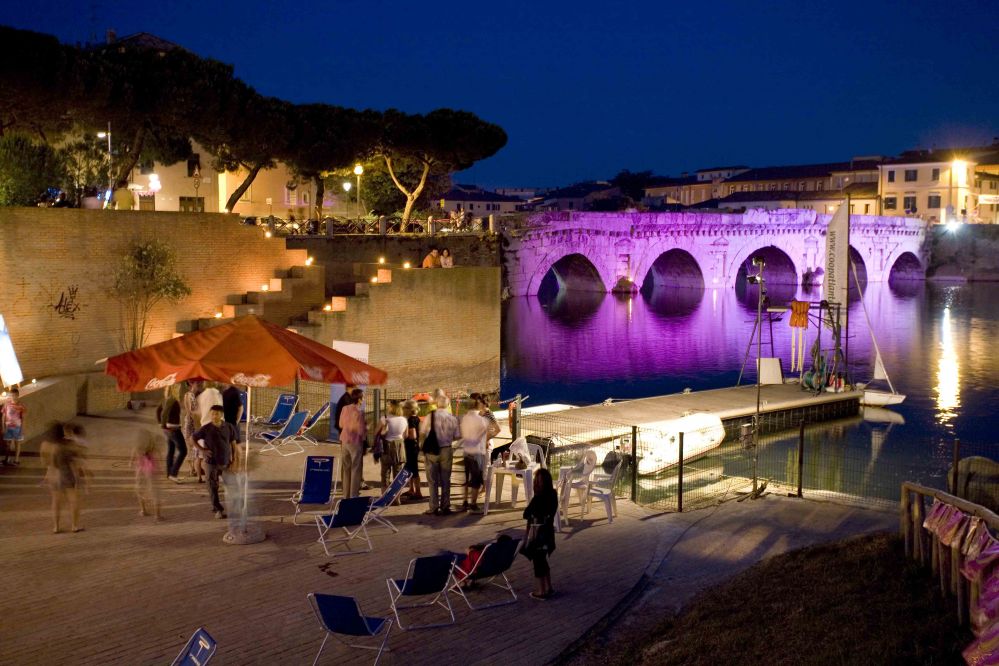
x=447 y=261
x=190 y=421
x=217 y=440
x=232 y=405
x=393 y=430
x=540 y=541
x=13 y=427
x=208 y=398
x=65 y=472
x=353 y=433
x=438 y=462
x=144 y=463
x=411 y=444
x=170 y=421
x=492 y=428
x=432 y=260
x=473 y=444
x=340 y=404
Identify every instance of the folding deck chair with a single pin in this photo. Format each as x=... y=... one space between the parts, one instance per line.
x=425 y=576
x=494 y=561
x=341 y=616
x=198 y=651
x=311 y=423
x=348 y=513
x=388 y=498
x=287 y=436
x=284 y=407
x=318 y=485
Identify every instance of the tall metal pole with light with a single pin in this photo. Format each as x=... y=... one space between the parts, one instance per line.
x=761 y=284
x=346 y=188
x=358 y=170
x=102 y=135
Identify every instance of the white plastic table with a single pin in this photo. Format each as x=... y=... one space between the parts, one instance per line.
x=496 y=475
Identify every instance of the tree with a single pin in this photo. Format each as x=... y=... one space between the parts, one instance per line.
x=27 y=169
x=86 y=168
x=444 y=139
x=382 y=197
x=633 y=184
x=145 y=274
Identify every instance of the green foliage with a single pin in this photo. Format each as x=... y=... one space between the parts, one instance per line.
x=145 y=274
x=382 y=197
x=86 y=167
x=633 y=184
x=27 y=169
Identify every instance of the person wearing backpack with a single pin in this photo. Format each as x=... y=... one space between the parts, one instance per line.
x=439 y=430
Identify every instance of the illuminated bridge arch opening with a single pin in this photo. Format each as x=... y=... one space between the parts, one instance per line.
x=674 y=268
x=573 y=272
x=907 y=268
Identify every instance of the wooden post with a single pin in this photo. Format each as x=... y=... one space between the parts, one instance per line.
x=957 y=459
x=801 y=455
x=679 y=479
x=958 y=583
x=634 y=463
x=919 y=534
x=905 y=522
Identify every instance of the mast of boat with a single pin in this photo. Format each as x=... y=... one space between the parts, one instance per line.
x=879 y=366
x=846 y=298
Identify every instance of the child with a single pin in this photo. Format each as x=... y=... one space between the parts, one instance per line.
x=144 y=462
x=13 y=432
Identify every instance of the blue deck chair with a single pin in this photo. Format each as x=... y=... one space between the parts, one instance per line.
x=425 y=576
x=318 y=485
x=388 y=498
x=287 y=436
x=495 y=560
x=284 y=407
x=198 y=651
x=311 y=423
x=349 y=515
x=341 y=616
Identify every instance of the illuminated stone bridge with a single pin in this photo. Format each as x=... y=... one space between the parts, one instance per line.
x=601 y=251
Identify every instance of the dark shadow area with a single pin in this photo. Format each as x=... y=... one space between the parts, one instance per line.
x=906 y=269
x=675 y=268
x=572 y=272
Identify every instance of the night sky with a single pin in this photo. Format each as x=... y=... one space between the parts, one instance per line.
x=585 y=89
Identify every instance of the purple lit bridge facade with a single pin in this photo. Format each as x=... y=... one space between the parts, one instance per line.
x=600 y=251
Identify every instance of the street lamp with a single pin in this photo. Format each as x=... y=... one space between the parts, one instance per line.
x=346 y=188
x=107 y=135
x=358 y=170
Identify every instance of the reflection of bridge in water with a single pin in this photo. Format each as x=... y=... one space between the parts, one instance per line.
x=598 y=251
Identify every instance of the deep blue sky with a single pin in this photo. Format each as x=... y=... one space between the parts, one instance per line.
x=586 y=88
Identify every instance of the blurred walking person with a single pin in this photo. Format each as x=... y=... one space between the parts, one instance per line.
x=170 y=421
x=190 y=416
x=353 y=433
x=65 y=472
x=144 y=464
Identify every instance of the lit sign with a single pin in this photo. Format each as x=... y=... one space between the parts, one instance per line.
x=10 y=371
x=988 y=198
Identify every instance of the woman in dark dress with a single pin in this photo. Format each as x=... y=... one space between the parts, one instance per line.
x=540 y=513
x=411 y=444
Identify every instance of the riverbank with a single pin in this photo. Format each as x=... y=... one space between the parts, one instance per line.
x=967 y=253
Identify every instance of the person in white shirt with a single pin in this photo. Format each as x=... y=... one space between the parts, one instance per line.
x=393 y=429
x=207 y=399
x=474 y=428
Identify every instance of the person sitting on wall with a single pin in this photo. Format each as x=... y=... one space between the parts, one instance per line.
x=432 y=260
x=447 y=261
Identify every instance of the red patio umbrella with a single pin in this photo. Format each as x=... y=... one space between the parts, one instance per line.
x=249 y=352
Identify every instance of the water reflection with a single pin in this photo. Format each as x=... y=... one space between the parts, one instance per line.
x=948 y=373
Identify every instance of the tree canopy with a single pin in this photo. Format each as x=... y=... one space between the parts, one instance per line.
x=158 y=97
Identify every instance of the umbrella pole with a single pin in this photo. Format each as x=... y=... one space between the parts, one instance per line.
x=246 y=452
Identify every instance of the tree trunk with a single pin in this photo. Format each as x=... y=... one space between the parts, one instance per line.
x=132 y=158
x=411 y=197
x=320 y=193
x=230 y=205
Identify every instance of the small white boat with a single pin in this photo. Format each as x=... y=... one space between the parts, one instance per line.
x=659 y=442
x=876 y=397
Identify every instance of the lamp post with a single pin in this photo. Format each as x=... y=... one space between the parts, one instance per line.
x=758 y=280
x=346 y=187
x=107 y=135
x=358 y=170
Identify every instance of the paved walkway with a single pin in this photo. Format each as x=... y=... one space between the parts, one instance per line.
x=129 y=590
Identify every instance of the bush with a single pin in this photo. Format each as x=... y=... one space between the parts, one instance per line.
x=27 y=170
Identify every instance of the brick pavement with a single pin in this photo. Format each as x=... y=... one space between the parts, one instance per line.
x=128 y=590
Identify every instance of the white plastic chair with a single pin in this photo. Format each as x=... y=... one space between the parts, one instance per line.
x=601 y=487
x=564 y=490
x=581 y=474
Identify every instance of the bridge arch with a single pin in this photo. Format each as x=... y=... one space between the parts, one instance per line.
x=571 y=272
x=906 y=267
x=780 y=273
x=674 y=268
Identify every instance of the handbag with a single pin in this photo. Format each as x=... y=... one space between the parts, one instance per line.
x=539 y=539
x=430 y=445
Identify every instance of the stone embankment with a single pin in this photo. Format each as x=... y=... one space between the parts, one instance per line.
x=966 y=253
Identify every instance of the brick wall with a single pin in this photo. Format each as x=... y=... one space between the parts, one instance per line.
x=55 y=267
x=426 y=328
x=338 y=253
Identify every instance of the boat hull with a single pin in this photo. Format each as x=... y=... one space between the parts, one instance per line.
x=881 y=398
x=659 y=443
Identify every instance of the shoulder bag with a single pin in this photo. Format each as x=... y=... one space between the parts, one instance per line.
x=430 y=445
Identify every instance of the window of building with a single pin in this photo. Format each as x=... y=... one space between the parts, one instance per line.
x=867 y=209
x=935 y=174
x=787 y=186
x=933 y=201
x=911 y=175
x=819 y=186
x=731 y=189
x=891 y=203
x=801 y=186
x=146 y=168
x=773 y=187
x=193 y=164
x=909 y=203
x=192 y=204
x=891 y=175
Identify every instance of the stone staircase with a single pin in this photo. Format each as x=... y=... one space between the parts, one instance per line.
x=338 y=306
x=287 y=297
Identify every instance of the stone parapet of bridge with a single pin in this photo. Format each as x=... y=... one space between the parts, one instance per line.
x=598 y=251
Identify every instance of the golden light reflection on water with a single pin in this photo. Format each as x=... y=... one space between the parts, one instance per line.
x=948 y=374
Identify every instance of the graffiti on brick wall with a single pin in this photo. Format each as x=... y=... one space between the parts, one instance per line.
x=68 y=303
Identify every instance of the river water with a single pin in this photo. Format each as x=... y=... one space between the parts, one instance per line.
x=936 y=340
